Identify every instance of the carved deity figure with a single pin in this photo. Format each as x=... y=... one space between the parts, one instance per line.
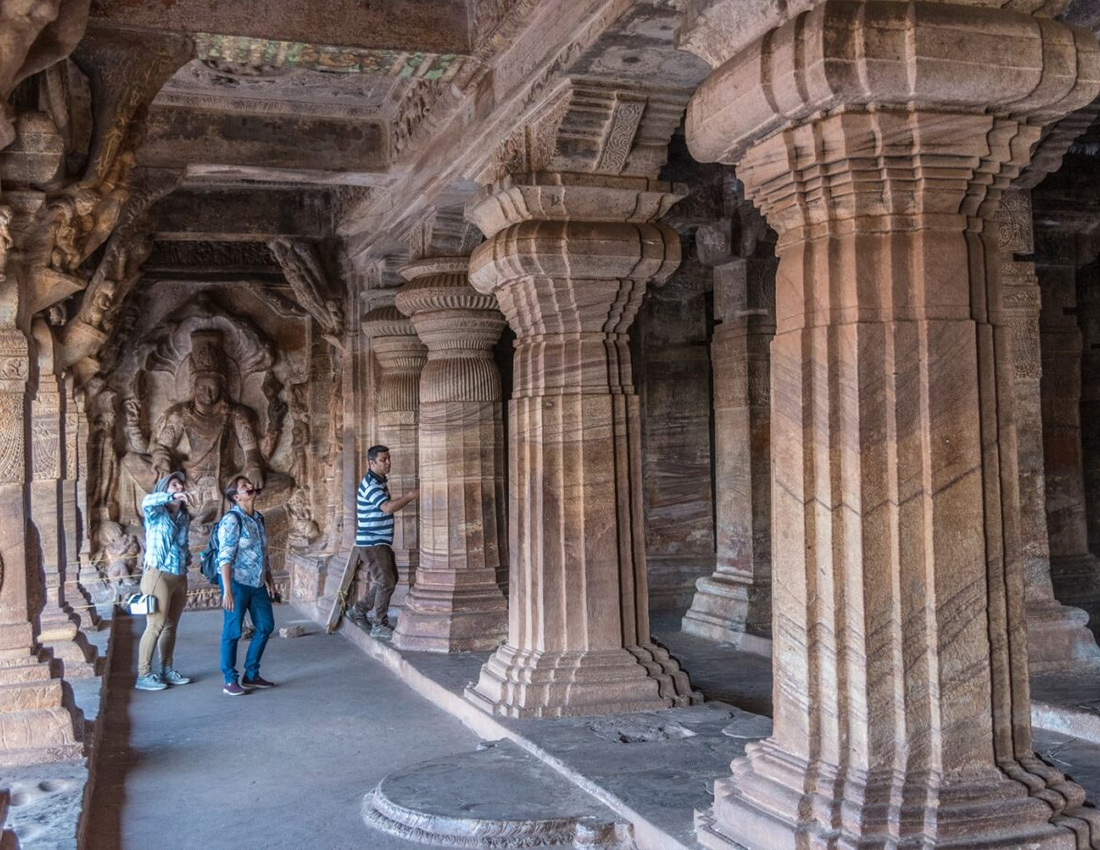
x=210 y=436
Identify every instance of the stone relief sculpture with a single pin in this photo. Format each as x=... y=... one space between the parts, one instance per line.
x=121 y=559
x=205 y=429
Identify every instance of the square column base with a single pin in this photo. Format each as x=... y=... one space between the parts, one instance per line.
x=518 y=683
x=452 y=620
x=721 y=611
x=774 y=801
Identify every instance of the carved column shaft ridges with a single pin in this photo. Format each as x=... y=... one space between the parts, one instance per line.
x=901 y=686
x=456 y=605
x=400 y=356
x=569 y=277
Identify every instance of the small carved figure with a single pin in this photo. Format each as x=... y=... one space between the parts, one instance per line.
x=303 y=528
x=120 y=553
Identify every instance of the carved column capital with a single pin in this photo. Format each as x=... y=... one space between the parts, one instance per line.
x=905 y=56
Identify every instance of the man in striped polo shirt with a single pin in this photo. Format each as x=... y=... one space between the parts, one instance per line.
x=374 y=539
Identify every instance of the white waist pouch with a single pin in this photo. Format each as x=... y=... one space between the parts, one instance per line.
x=140 y=603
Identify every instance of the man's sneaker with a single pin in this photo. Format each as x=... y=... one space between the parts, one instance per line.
x=258 y=682
x=174 y=677
x=382 y=630
x=233 y=689
x=356 y=614
x=150 y=682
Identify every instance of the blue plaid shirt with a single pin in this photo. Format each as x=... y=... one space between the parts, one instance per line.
x=165 y=535
x=242 y=542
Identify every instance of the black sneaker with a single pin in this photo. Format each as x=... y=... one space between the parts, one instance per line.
x=258 y=682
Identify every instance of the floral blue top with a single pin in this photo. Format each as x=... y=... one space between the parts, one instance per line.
x=242 y=542
x=165 y=535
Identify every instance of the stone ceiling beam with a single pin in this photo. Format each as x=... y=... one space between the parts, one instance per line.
x=438 y=26
x=181 y=137
x=230 y=215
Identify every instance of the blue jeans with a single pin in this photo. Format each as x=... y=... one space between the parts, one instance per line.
x=256 y=602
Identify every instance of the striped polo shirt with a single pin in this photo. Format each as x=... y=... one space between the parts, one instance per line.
x=374 y=526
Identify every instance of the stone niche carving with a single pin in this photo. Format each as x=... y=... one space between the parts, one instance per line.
x=210 y=392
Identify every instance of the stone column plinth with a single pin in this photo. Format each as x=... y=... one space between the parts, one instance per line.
x=39 y=721
x=734 y=603
x=400 y=355
x=456 y=605
x=1057 y=634
x=877 y=138
x=569 y=265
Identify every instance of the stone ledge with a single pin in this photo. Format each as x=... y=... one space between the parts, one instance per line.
x=49 y=802
x=627 y=762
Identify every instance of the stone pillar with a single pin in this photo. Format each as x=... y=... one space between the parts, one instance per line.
x=456 y=605
x=1074 y=570
x=38 y=720
x=735 y=603
x=1057 y=635
x=1088 y=319
x=400 y=355
x=877 y=137
x=58 y=626
x=569 y=265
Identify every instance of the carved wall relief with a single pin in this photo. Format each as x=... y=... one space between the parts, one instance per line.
x=209 y=388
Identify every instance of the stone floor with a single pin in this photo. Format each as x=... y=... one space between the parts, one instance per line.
x=190 y=767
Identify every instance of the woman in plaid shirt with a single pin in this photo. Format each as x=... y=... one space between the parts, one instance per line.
x=165 y=578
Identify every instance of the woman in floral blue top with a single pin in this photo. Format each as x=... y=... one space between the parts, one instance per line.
x=167 y=557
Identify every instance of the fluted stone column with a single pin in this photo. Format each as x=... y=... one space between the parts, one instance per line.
x=877 y=137
x=400 y=355
x=734 y=603
x=456 y=604
x=569 y=265
x=1057 y=634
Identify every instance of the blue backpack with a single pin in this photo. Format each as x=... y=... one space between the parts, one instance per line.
x=208 y=557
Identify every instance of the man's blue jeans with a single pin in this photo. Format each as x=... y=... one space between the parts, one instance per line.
x=256 y=602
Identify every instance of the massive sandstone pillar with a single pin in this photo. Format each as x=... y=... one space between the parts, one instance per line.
x=568 y=261
x=456 y=604
x=877 y=138
x=734 y=603
x=400 y=355
x=1057 y=635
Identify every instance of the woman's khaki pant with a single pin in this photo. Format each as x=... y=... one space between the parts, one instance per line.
x=170 y=591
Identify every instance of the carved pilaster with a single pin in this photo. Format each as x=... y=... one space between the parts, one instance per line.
x=400 y=356
x=1057 y=635
x=901 y=685
x=734 y=603
x=456 y=604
